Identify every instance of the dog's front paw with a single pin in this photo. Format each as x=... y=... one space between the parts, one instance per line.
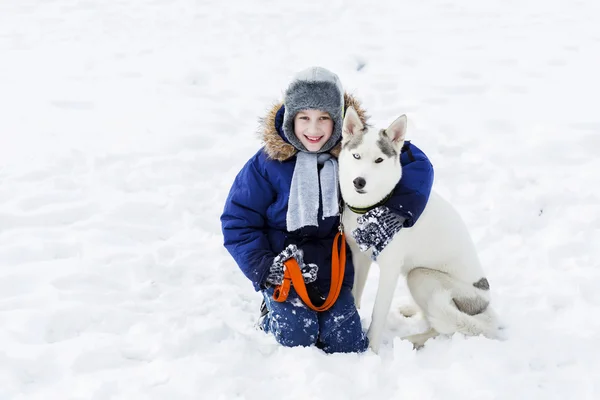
x=374 y=348
x=374 y=341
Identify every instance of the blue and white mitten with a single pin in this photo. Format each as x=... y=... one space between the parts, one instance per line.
x=376 y=228
x=275 y=275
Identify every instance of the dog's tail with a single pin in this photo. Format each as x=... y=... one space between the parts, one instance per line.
x=451 y=305
x=445 y=317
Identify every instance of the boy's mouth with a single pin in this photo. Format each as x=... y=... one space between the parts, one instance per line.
x=313 y=139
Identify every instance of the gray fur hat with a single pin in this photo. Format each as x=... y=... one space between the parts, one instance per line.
x=315 y=88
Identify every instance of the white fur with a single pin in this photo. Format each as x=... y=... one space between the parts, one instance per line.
x=436 y=256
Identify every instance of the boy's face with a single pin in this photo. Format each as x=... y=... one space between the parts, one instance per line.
x=313 y=128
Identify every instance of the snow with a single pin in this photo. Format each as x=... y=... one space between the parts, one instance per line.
x=124 y=123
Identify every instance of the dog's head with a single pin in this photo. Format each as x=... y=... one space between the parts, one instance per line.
x=370 y=160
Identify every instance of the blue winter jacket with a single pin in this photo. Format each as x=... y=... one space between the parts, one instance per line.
x=254 y=217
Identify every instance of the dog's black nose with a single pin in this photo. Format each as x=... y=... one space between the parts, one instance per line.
x=359 y=183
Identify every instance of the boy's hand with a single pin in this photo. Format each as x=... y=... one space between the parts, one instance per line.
x=376 y=229
x=275 y=276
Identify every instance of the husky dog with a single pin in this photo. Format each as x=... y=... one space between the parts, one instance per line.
x=436 y=255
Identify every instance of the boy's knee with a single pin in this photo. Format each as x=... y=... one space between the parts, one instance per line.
x=341 y=329
x=291 y=331
x=291 y=322
x=346 y=336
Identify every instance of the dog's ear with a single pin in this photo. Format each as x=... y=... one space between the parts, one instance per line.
x=397 y=130
x=352 y=124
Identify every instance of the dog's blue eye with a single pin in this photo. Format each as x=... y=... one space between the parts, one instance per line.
x=378 y=160
x=357 y=156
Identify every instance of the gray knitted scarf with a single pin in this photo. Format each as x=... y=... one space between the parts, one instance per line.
x=303 y=205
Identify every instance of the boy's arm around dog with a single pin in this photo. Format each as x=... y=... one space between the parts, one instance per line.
x=411 y=194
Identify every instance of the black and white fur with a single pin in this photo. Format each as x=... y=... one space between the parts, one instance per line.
x=436 y=255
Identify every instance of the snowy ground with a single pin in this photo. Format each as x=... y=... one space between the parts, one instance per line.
x=123 y=124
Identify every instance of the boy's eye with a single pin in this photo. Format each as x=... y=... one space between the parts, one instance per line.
x=304 y=117
x=378 y=160
x=324 y=118
x=357 y=156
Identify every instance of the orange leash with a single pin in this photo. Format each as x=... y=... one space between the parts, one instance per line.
x=293 y=275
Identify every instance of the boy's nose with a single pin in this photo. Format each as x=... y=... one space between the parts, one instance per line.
x=313 y=128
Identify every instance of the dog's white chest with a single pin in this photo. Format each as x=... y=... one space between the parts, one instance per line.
x=349 y=221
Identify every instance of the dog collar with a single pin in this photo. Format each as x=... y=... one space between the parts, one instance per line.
x=364 y=210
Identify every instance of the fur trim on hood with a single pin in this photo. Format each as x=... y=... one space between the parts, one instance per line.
x=278 y=149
